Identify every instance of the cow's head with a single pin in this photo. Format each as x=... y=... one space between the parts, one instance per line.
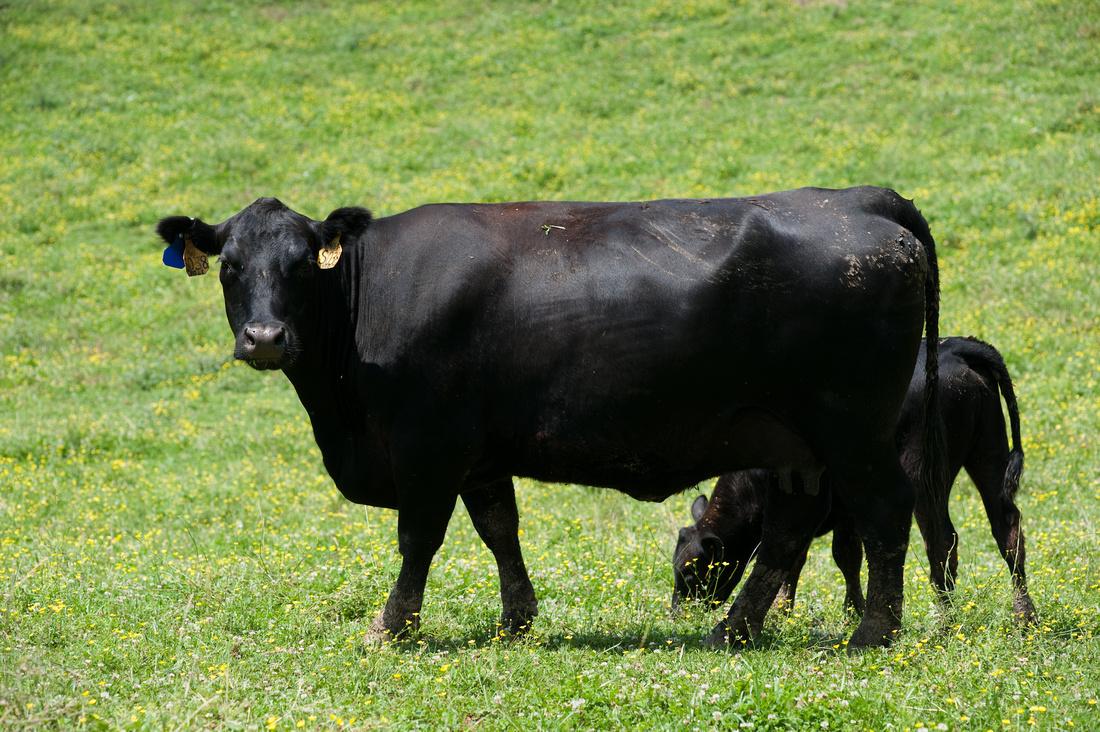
x=271 y=261
x=705 y=566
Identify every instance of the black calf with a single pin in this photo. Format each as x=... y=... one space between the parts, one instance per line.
x=711 y=555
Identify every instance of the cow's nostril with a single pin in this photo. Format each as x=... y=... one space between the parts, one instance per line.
x=264 y=343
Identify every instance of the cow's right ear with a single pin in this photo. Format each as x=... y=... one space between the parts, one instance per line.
x=698 y=508
x=189 y=242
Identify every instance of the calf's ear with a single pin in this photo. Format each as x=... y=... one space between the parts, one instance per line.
x=698 y=508
x=190 y=241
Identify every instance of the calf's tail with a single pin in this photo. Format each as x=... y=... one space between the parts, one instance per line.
x=984 y=357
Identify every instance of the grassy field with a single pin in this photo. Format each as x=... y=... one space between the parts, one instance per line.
x=172 y=555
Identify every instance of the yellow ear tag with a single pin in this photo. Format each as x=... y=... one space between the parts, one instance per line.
x=194 y=259
x=328 y=256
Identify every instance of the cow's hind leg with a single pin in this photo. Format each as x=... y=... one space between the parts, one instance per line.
x=987 y=470
x=879 y=497
x=848 y=555
x=493 y=512
x=789 y=524
x=420 y=531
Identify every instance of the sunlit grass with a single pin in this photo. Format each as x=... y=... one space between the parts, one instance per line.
x=171 y=552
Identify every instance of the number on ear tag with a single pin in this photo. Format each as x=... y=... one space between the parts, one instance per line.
x=194 y=259
x=328 y=256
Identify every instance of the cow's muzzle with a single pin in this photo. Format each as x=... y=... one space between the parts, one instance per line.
x=262 y=345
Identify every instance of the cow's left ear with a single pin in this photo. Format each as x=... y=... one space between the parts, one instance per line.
x=190 y=241
x=347 y=223
x=342 y=225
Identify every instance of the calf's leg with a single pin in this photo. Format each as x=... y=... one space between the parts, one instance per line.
x=493 y=512
x=943 y=560
x=785 y=598
x=987 y=470
x=848 y=555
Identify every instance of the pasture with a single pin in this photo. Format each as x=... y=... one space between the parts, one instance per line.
x=172 y=554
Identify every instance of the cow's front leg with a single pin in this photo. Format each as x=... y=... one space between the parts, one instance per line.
x=493 y=511
x=789 y=523
x=421 y=527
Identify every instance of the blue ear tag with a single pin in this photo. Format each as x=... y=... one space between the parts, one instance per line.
x=173 y=253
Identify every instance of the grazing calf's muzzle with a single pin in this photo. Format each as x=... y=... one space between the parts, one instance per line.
x=262 y=345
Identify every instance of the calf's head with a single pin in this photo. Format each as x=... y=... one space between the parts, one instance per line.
x=705 y=565
x=272 y=260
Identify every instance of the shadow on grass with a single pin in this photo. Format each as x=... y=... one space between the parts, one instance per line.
x=652 y=638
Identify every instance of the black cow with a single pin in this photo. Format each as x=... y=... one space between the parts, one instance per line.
x=636 y=346
x=711 y=555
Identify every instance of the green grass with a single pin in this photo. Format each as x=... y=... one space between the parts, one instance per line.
x=171 y=552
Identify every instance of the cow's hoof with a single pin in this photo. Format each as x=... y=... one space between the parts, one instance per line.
x=380 y=633
x=376 y=639
x=516 y=624
x=783 y=602
x=871 y=634
x=377 y=635
x=1024 y=610
x=724 y=639
x=718 y=639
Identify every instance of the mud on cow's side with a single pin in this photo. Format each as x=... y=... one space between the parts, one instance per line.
x=636 y=346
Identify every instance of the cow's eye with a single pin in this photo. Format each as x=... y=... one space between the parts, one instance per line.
x=228 y=269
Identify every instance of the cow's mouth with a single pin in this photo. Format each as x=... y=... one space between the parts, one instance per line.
x=265 y=364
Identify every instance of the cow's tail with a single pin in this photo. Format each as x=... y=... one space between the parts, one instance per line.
x=932 y=493
x=983 y=356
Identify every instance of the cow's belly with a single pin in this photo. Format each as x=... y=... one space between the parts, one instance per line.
x=652 y=454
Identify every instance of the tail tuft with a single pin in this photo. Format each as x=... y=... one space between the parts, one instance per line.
x=1012 y=476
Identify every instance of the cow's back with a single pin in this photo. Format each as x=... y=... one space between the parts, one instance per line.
x=611 y=342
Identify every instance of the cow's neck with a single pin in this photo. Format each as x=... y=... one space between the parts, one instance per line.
x=334 y=385
x=324 y=374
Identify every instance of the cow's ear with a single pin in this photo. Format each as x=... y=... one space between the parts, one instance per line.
x=698 y=508
x=190 y=241
x=345 y=224
x=342 y=225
